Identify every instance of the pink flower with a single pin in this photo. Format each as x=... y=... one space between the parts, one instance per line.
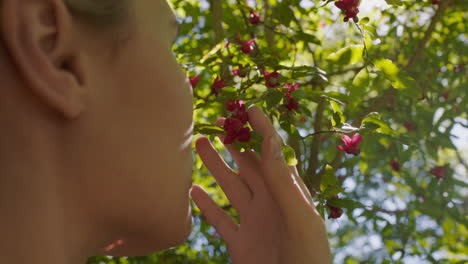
x=254 y=17
x=291 y=88
x=194 y=81
x=395 y=165
x=351 y=144
x=247 y=47
x=350 y=8
x=439 y=172
x=218 y=84
x=272 y=79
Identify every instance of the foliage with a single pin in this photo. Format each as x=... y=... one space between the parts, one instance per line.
x=396 y=76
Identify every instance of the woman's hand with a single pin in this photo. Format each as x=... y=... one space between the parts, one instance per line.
x=278 y=221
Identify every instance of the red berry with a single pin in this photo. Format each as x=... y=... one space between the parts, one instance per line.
x=218 y=84
x=409 y=126
x=350 y=8
x=272 y=79
x=291 y=105
x=231 y=105
x=335 y=212
x=247 y=47
x=239 y=72
x=244 y=134
x=439 y=172
x=194 y=81
x=254 y=17
x=395 y=165
x=235 y=130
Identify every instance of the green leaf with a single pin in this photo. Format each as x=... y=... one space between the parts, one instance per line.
x=379 y=126
x=394 y=2
x=321 y=210
x=309 y=38
x=213 y=51
x=364 y=21
x=289 y=155
x=359 y=87
x=273 y=99
x=328 y=178
x=207 y=129
x=348 y=55
x=387 y=66
x=361 y=79
x=399 y=79
x=331 y=191
x=338 y=117
x=345 y=203
x=284 y=14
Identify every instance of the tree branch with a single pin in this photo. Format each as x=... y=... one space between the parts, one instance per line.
x=390 y=93
x=427 y=35
x=315 y=146
x=328 y=131
x=217 y=11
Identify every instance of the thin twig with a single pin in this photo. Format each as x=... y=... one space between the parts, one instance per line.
x=330 y=131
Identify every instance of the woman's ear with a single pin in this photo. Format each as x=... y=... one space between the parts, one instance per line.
x=41 y=41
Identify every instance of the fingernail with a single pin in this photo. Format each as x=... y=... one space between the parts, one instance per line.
x=275 y=148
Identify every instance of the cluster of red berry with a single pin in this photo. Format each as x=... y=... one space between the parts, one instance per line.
x=234 y=125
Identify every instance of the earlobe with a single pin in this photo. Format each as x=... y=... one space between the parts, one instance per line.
x=39 y=37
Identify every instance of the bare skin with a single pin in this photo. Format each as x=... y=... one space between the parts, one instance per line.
x=91 y=163
x=278 y=220
x=96 y=155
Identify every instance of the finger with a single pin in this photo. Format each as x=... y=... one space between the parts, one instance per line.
x=305 y=191
x=277 y=175
x=214 y=215
x=304 y=188
x=248 y=163
x=236 y=190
